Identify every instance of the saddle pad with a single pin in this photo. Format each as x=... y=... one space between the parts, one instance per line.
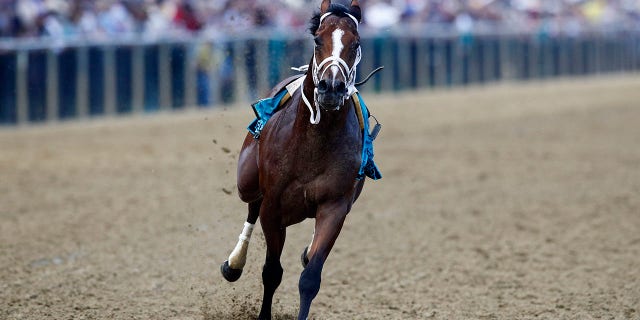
x=367 y=166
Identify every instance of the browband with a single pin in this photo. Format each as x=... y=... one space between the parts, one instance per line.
x=349 y=15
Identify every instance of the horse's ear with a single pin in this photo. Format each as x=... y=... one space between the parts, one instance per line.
x=355 y=8
x=324 y=6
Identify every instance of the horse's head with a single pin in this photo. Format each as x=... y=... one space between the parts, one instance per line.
x=336 y=54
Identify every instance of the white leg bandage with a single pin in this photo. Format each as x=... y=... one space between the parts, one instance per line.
x=238 y=256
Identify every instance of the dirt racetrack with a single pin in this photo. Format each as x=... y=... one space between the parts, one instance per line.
x=513 y=201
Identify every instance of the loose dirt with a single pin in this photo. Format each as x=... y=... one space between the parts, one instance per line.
x=510 y=201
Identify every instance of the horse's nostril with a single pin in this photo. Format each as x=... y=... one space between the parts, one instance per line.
x=323 y=86
x=335 y=87
x=341 y=87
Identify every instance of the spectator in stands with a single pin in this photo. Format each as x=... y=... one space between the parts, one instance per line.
x=159 y=18
x=8 y=19
x=114 y=18
x=186 y=16
x=159 y=21
x=381 y=14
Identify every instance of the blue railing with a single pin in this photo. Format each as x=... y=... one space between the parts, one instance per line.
x=42 y=80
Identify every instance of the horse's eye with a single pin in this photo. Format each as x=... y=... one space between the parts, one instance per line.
x=318 y=41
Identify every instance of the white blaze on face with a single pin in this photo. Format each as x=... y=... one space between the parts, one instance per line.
x=336 y=36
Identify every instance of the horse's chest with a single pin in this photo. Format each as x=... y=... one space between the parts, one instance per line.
x=301 y=199
x=311 y=166
x=308 y=178
x=326 y=172
x=325 y=165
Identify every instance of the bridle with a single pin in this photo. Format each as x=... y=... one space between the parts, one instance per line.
x=318 y=70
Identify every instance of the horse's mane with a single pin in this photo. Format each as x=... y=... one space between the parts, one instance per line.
x=335 y=8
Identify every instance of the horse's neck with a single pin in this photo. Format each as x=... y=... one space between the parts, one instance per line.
x=331 y=123
x=337 y=131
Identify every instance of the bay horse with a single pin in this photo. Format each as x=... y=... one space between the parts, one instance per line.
x=305 y=163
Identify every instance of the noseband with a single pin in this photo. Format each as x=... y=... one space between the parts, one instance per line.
x=349 y=74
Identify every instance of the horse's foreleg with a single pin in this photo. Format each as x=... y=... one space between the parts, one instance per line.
x=232 y=268
x=274 y=236
x=329 y=221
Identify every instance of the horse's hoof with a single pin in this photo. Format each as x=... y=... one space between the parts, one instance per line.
x=303 y=257
x=230 y=274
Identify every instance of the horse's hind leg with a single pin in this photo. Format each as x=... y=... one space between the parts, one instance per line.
x=249 y=191
x=248 y=175
x=232 y=268
x=272 y=271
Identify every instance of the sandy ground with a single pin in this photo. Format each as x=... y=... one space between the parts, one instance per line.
x=517 y=201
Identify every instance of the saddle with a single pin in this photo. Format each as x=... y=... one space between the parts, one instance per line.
x=283 y=84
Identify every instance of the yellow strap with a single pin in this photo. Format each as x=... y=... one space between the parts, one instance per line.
x=356 y=104
x=284 y=100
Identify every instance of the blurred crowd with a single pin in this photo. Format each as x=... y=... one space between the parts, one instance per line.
x=97 y=19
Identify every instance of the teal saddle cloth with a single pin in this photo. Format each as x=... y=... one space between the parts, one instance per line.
x=265 y=108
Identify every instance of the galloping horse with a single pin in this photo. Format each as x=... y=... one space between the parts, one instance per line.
x=308 y=159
